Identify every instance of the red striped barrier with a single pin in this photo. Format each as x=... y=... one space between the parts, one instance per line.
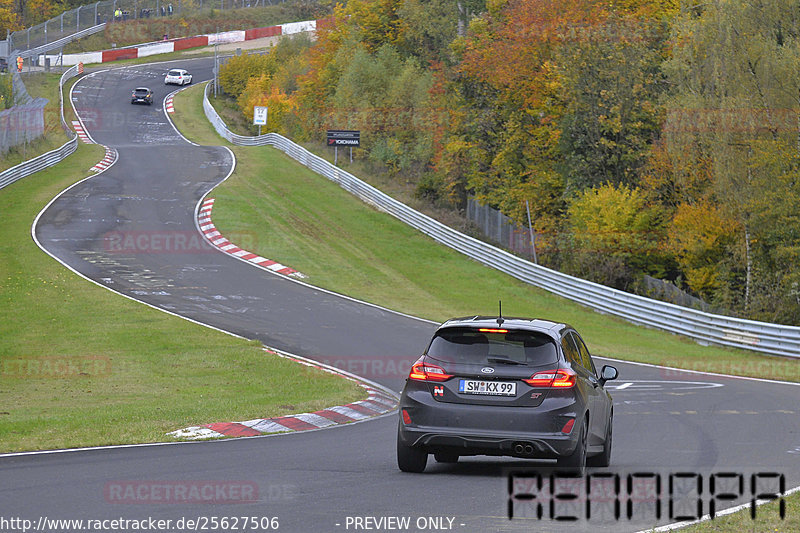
x=191 y=42
x=122 y=53
x=258 y=33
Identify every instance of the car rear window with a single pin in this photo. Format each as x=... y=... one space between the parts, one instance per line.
x=141 y=91
x=468 y=345
x=174 y=72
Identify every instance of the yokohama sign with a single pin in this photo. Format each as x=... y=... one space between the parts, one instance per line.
x=344 y=138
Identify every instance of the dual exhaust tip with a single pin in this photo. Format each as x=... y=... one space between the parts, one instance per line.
x=523 y=448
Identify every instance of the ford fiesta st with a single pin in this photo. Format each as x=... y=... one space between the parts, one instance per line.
x=510 y=387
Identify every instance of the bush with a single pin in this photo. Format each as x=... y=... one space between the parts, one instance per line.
x=234 y=75
x=6 y=91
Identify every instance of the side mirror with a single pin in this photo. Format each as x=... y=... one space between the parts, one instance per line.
x=607 y=374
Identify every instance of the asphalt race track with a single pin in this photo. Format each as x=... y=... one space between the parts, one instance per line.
x=345 y=479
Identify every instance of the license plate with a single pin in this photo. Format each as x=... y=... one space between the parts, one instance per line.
x=489 y=388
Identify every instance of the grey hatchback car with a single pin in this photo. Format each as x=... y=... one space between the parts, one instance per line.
x=506 y=386
x=143 y=95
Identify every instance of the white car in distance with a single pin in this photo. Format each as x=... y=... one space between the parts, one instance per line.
x=177 y=76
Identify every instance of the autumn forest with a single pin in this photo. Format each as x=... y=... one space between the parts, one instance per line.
x=648 y=137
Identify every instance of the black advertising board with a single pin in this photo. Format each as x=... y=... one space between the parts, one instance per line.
x=344 y=138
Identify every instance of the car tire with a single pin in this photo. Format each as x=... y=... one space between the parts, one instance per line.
x=445 y=457
x=604 y=459
x=577 y=461
x=410 y=458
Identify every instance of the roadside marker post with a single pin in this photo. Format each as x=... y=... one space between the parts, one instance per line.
x=260 y=114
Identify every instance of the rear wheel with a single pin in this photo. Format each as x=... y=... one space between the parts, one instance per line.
x=576 y=461
x=445 y=457
x=604 y=459
x=410 y=458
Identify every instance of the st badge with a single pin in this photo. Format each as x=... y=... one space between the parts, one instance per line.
x=438 y=390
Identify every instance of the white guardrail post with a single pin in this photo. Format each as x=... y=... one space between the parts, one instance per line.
x=707 y=328
x=26 y=168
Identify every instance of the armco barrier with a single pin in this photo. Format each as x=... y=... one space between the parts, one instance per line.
x=704 y=327
x=26 y=168
x=35 y=52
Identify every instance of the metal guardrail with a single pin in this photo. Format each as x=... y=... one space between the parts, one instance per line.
x=68 y=74
x=26 y=168
x=774 y=339
x=35 y=52
x=39 y=163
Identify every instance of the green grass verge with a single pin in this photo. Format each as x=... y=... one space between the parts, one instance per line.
x=767 y=519
x=82 y=366
x=314 y=226
x=191 y=121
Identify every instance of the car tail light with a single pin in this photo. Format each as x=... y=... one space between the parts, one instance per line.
x=567 y=427
x=406 y=417
x=562 y=378
x=492 y=330
x=422 y=371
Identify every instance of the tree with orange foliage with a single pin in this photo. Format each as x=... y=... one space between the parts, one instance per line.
x=260 y=91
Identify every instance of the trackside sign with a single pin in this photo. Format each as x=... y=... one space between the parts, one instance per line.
x=344 y=138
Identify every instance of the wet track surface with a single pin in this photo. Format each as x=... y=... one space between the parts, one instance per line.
x=665 y=422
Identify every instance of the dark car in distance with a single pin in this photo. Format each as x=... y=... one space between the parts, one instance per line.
x=508 y=387
x=142 y=95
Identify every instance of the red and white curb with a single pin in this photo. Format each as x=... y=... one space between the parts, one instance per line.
x=169 y=105
x=76 y=124
x=216 y=238
x=379 y=402
x=108 y=160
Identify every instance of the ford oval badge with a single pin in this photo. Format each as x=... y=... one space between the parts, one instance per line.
x=487 y=370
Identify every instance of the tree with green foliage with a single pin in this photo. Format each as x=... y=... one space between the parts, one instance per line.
x=234 y=74
x=10 y=19
x=616 y=233
x=612 y=84
x=734 y=70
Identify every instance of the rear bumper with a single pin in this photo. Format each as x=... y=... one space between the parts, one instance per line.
x=468 y=429
x=523 y=445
